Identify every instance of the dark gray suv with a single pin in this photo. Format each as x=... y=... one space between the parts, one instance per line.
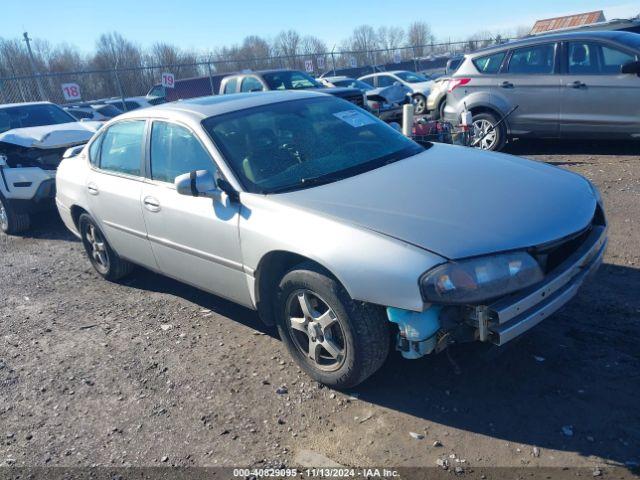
x=580 y=84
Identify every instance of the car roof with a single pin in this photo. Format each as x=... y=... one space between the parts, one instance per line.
x=553 y=37
x=23 y=104
x=203 y=107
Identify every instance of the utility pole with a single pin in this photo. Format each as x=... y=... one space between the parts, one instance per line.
x=33 y=67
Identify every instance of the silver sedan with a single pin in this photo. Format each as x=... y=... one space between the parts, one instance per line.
x=332 y=225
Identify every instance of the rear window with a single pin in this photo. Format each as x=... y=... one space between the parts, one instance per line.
x=489 y=63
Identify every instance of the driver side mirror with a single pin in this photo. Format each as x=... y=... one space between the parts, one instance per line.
x=197 y=183
x=631 y=67
x=202 y=183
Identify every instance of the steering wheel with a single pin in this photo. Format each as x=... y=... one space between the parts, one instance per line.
x=293 y=151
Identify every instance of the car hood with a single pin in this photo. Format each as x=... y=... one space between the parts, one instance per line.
x=51 y=136
x=342 y=92
x=458 y=202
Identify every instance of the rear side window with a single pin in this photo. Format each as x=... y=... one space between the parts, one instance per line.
x=489 y=63
x=386 y=80
x=367 y=80
x=537 y=59
x=174 y=151
x=121 y=150
x=230 y=86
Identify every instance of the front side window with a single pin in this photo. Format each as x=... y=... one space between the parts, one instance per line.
x=489 y=64
x=300 y=143
x=121 y=150
x=534 y=60
x=251 y=84
x=174 y=151
x=289 y=80
x=351 y=83
x=592 y=58
x=230 y=86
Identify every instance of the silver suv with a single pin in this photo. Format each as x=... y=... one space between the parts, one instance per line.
x=580 y=84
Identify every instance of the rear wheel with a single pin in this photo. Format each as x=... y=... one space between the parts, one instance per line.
x=485 y=131
x=103 y=258
x=419 y=104
x=335 y=340
x=11 y=222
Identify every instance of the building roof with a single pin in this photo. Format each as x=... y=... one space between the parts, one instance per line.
x=569 y=21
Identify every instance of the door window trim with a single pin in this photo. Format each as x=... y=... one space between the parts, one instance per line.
x=98 y=168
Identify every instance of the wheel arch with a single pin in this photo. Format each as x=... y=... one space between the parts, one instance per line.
x=76 y=211
x=271 y=268
x=484 y=108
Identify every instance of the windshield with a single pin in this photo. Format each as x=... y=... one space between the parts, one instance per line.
x=352 y=83
x=290 y=80
x=411 y=77
x=299 y=143
x=23 y=116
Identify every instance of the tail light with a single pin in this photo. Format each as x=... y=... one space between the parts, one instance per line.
x=375 y=106
x=457 y=82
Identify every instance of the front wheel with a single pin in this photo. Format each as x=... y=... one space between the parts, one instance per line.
x=12 y=222
x=103 y=258
x=485 y=132
x=335 y=340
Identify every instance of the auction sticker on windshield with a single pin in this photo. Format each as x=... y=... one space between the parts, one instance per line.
x=354 y=118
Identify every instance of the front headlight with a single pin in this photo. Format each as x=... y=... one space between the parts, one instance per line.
x=479 y=279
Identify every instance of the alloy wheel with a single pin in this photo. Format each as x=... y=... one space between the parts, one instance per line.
x=419 y=103
x=98 y=248
x=315 y=330
x=483 y=128
x=4 y=217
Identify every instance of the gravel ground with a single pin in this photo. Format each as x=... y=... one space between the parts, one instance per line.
x=151 y=372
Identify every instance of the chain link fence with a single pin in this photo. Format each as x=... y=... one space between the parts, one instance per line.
x=204 y=77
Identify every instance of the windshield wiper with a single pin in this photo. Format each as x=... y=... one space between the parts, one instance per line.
x=309 y=182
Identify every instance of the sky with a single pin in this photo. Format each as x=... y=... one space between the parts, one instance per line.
x=206 y=24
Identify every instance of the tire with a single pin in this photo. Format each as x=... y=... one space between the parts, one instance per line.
x=360 y=332
x=490 y=143
x=11 y=222
x=102 y=257
x=419 y=104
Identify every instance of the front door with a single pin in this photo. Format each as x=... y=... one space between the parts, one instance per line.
x=114 y=186
x=195 y=239
x=598 y=100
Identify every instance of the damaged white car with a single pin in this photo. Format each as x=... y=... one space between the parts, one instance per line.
x=332 y=225
x=33 y=139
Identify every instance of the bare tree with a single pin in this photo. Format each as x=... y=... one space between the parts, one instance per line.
x=288 y=44
x=389 y=39
x=419 y=35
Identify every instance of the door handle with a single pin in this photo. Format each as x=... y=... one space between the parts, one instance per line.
x=151 y=204
x=576 y=84
x=93 y=189
x=506 y=84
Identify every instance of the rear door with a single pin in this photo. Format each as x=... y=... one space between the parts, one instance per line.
x=529 y=80
x=114 y=186
x=598 y=100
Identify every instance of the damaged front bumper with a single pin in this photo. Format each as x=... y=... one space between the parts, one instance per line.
x=421 y=333
x=514 y=315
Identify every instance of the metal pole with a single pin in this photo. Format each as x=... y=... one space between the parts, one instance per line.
x=33 y=67
x=210 y=77
x=333 y=60
x=120 y=91
x=407 y=120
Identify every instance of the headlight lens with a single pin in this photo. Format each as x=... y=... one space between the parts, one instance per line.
x=478 y=279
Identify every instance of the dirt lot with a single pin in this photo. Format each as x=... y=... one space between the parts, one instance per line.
x=152 y=372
